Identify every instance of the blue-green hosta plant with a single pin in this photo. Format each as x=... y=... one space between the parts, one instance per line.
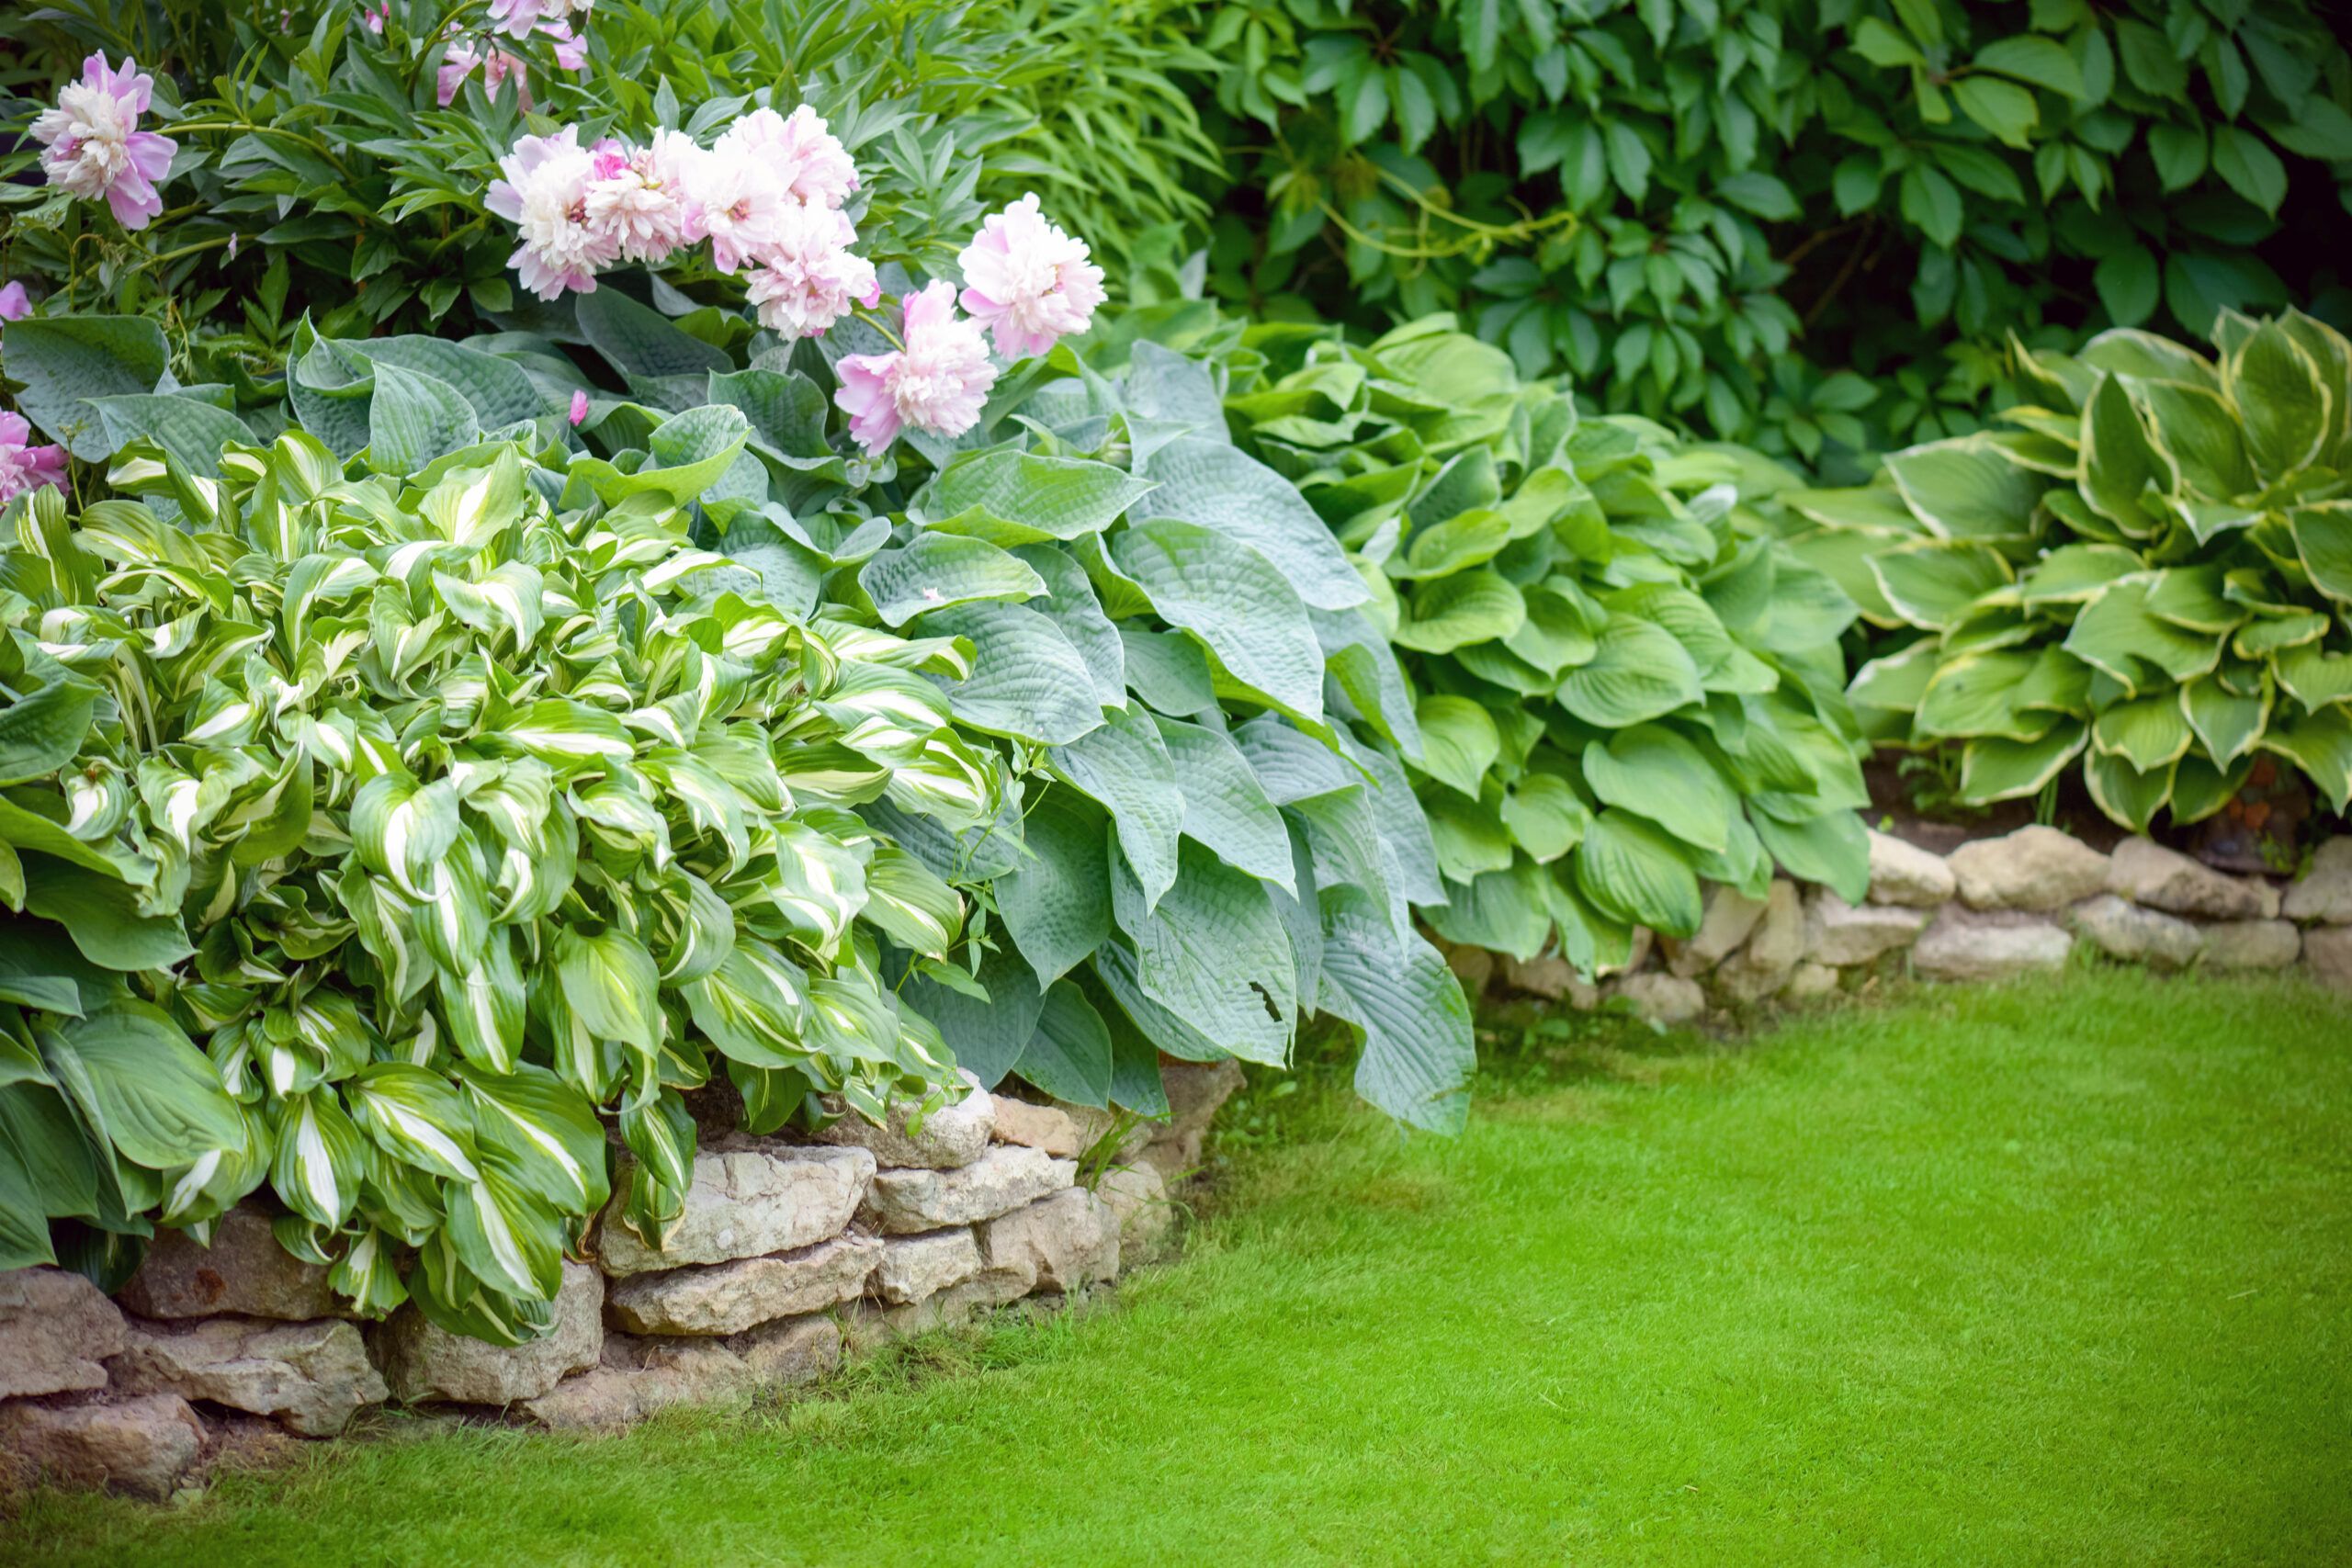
x=1213 y=838
x=1626 y=685
x=2148 y=571
x=371 y=837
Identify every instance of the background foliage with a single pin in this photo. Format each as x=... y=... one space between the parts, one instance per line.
x=1666 y=199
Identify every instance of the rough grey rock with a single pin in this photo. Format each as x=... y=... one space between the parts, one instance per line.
x=423 y=1363
x=55 y=1327
x=913 y=1267
x=2123 y=930
x=953 y=1135
x=2324 y=894
x=1637 y=953
x=1064 y=1130
x=2252 y=944
x=1905 y=874
x=1195 y=1091
x=245 y=1271
x=1838 y=933
x=145 y=1446
x=638 y=1377
x=312 y=1376
x=1662 y=998
x=905 y=1202
x=2035 y=868
x=2149 y=874
x=1811 y=982
x=1139 y=1197
x=751 y=1197
x=1548 y=976
x=1054 y=1244
x=1731 y=917
x=1764 y=966
x=728 y=1298
x=1474 y=967
x=2328 y=950
x=1959 y=946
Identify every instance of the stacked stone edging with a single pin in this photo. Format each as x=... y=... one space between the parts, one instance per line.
x=788 y=1256
x=1993 y=908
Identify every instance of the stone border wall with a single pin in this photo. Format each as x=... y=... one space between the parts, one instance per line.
x=788 y=1256
x=1993 y=908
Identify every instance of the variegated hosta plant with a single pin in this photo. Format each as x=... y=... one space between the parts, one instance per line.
x=1627 y=686
x=444 y=815
x=2150 y=571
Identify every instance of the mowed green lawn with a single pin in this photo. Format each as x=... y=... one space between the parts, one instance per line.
x=2056 y=1274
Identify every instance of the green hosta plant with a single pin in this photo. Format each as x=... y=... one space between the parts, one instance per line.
x=1628 y=686
x=1213 y=838
x=445 y=813
x=2150 y=571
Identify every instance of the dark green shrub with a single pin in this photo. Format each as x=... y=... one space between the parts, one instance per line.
x=1675 y=202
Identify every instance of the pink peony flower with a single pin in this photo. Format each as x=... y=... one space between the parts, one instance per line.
x=24 y=467
x=519 y=18
x=15 y=303
x=1027 y=281
x=737 y=201
x=936 y=383
x=579 y=409
x=545 y=196
x=637 y=197
x=376 y=17
x=497 y=65
x=804 y=157
x=806 y=279
x=92 y=146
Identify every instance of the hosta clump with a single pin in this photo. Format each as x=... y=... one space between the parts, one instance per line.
x=1629 y=687
x=443 y=813
x=2149 y=570
x=1213 y=838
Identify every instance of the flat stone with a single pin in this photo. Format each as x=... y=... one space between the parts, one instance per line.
x=1638 y=949
x=1195 y=1091
x=1138 y=1198
x=1958 y=946
x=1905 y=874
x=2158 y=878
x=913 y=1267
x=1662 y=998
x=55 y=1327
x=423 y=1363
x=2323 y=894
x=751 y=1197
x=1054 y=1244
x=2123 y=930
x=1474 y=967
x=2327 y=952
x=905 y=1202
x=1774 y=949
x=638 y=1378
x=1548 y=976
x=728 y=1298
x=1061 y=1130
x=145 y=1446
x=953 y=1135
x=313 y=1377
x=244 y=1272
x=1730 y=918
x=1810 y=982
x=1838 y=933
x=2035 y=868
x=2252 y=944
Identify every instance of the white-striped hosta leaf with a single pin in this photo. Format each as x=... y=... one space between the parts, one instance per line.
x=542 y=1132
x=402 y=827
x=510 y=1239
x=752 y=1007
x=416 y=1117
x=319 y=1157
x=611 y=984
